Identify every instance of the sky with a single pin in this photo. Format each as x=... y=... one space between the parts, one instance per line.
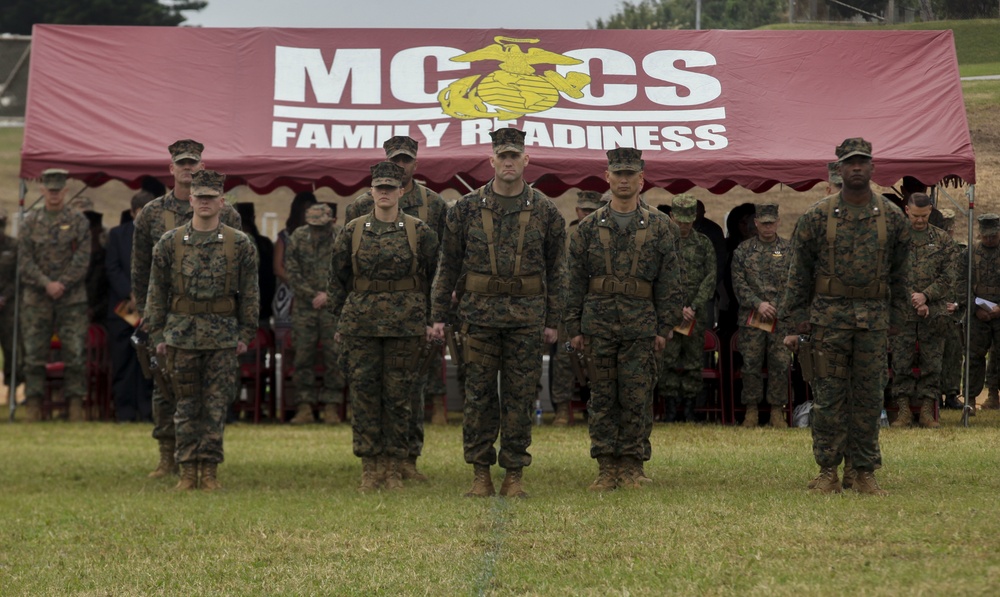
x=420 y=14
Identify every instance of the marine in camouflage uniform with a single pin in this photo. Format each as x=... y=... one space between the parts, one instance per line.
x=427 y=206
x=919 y=346
x=508 y=239
x=984 y=337
x=308 y=259
x=201 y=312
x=680 y=382
x=954 y=341
x=561 y=375
x=383 y=263
x=847 y=285
x=760 y=274
x=54 y=252
x=160 y=215
x=623 y=298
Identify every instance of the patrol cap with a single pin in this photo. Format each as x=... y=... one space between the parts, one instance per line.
x=81 y=204
x=684 y=208
x=207 y=183
x=589 y=200
x=948 y=214
x=400 y=145
x=625 y=158
x=989 y=224
x=54 y=179
x=766 y=212
x=319 y=215
x=185 y=149
x=833 y=173
x=852 y=147
x=508 y=139
x=387 y=174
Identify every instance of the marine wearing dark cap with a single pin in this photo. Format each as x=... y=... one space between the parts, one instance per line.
x=989 y=223
x=625 y=158
x=54 y=179
x=400 y=145
x=387 y=174
x=207 y=183
x=185 y=149
x=507 y=139
x=852 y=147
x=766 y=212
x=319 y=215
x=684 y=208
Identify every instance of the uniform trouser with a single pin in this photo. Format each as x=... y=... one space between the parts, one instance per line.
x=620 y=411
x=204 y=382
x=929 y=334
x=992 y=371
x=951 y=363
x=7 y=345
x=381 y=374
x=132 y=391
x=982 y=337
x=561 y=377
x=39 y=320
x=515 y=355
x=430 y=387
x=681 y=363
x=848 y=401
x=310 y=329
x=761 y=349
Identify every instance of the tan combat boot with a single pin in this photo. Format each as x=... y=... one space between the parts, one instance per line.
x=189 y=477
x=303 y=414
x=393 y=476
x=778 y=418
x=482 y=484
x=408 y=468
x=850 y=474
x=166 y=466
x=369 y=474
x=628 y=473
x=607 y=475
x=440 y=414
x=903 y=417
x=750 y=421
x=865 y=483
x=992 y=400
x=563 y=416
x=32 y=410
x=76 y=410
x=826 y=482
x=331 y=414
x=640 y=472
x=208 y=480
x=513 y=486
x=927 y=415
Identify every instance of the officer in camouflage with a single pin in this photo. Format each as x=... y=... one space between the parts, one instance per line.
x=160 y=215
x=383 y=263
x=508 y=239
x=53 y=249
x=920 y=343
x=847 y=287
x=428 y=207
x=985 y=332
x=308 y=259
x=760 y=274
x=562 y=376
x=201 y=312
x=680 y=382
x=623 y=297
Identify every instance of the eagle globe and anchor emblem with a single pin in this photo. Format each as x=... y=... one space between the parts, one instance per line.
x=514 y=89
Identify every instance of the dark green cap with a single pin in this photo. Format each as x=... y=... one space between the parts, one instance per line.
x=625 y=158
x=207 y=183
x=684 y=208
x=400 y=145
x=508 y=139
x=852 y=147
x=387 y=174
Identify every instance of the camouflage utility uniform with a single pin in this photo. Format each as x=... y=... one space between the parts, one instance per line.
x=201 y=306
x=54 y=247
x=984 y=336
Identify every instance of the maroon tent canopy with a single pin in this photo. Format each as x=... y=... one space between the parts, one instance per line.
x=311 y=107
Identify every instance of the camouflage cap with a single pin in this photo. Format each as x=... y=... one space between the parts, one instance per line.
x=508 y=139
x=589 y=200
x=684 y=208
x=625 y=158
x=387 y=174
x=207 y=183
x=400 y=145
x=185 y=149
x=852 y=147
x=833 y=173
x=948 y=214
x=81 y=204
x=54 y=179
x=989 y=224
x=766 y=212
x=319 y=215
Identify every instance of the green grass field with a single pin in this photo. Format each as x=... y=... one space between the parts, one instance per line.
x=727 y=514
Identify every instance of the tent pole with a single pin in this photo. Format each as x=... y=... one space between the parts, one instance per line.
x=969 y=307
x=12 y=382
x=462 y=180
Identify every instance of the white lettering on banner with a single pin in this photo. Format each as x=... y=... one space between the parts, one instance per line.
x=612 y=62
x=293 y=67
x=476 y=133
x=702 y=88
x=407 y=78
